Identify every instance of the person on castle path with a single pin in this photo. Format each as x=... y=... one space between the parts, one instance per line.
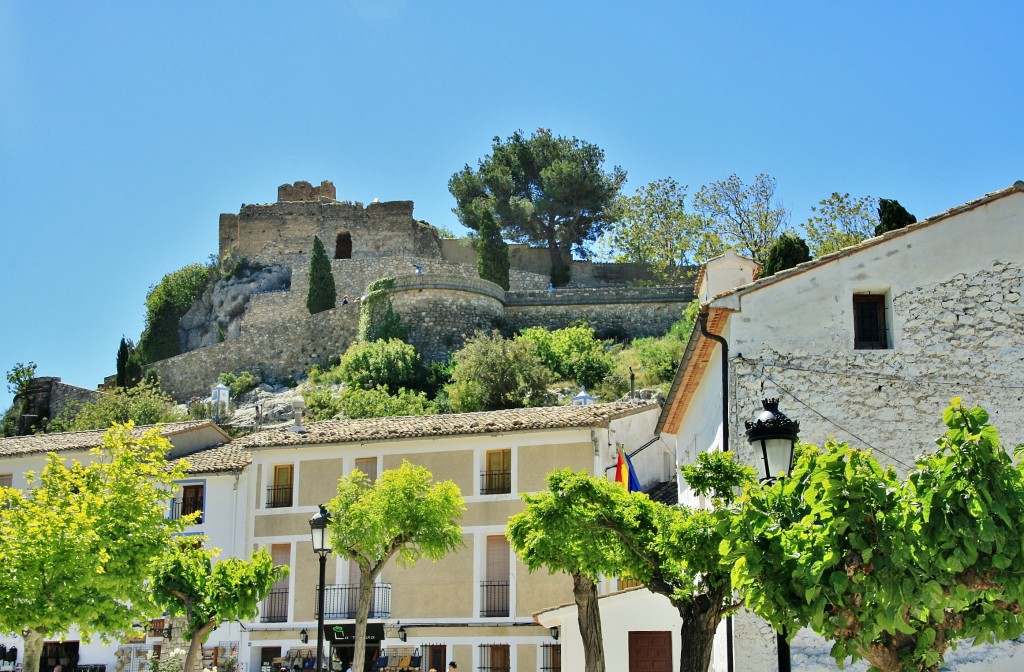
x=453 y=666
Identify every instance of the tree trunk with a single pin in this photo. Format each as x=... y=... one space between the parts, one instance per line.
x=366 y=580
x=584 y=590
x=194 y=657
x=697 y=635
x=559 y=269
x=33 y=649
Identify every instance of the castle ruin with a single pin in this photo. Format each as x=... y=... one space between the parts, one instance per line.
x=436 y=290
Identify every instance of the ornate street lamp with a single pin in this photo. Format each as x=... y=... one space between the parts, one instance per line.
x=772 y=436
x=321 y=535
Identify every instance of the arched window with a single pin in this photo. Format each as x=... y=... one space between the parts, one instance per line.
x=343 y=246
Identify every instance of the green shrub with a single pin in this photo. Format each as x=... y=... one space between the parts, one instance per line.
x=321 y=403
x=144 y=405
x=322 y=294
x=379 y=403
x=239 y=384
x=329 y=376
x=491 y=373
x=377 y=317
x=572 y=353
x=389 y=363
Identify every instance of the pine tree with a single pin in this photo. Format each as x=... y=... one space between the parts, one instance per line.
x=322 y=294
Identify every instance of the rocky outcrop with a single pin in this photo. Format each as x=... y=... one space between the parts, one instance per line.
x=217 y=316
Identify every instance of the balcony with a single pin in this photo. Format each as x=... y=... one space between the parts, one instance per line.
x=275 y=606
x=341 y=600
x=494 y=598
x=496 y=482
x=279 y=496
x=186 y=506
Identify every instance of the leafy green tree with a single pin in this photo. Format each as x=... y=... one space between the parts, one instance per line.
x=892 y=570
x=492 y=252
x=377 y=317
x=892 y=216
x=188 y=583
x=555 y=532
x=79 y=544
x=787 y=251
x=166 y=303
x=19 y=378
x=544 y=189
x=402 y=514
x=143 y=404
x=390 y=363
x=840 y=221
x=573 y=353
x=748 y=218
x=654 y=228
x=321 y=294
x=491 y=373
x=238 y=384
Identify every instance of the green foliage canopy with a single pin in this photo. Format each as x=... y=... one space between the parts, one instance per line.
x=492 y=373
x=79 y=544
x=188 y=583
x=892 y=216
x=892 y=570
x=390 y=363
x=166 y=303
x=143 y=404
x=840 y=221
x=654 y=228
x=403 y=515
x=321 y=294
x=573 y=353
x=747 y=217
x=543 y=189
x=787 y=251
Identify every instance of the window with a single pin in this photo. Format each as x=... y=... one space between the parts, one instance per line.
x=497 y=476
x=275 y=604
x=191 y=501
x=495 y=658
x=280 y=493
x=368 y=465
x=551 y=658
x=869 y=328
x=343 y=246
x=6 y=480
x=494 y=589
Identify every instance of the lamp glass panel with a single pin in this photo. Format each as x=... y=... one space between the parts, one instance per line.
x=780 y=454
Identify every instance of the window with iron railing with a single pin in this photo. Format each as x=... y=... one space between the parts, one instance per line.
x=279 y=494
x=275 y=606
x=494 y=598
x=341 y=601
x=869 y=324
x=497 y=476
x=191 y=501
x=551 y=658
x=495 y=658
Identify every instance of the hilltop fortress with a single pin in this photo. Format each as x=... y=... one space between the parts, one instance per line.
x=260 y=324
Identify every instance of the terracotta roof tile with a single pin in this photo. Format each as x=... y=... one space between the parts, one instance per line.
x=227 y=458
x=452 y=424
x=16 y=446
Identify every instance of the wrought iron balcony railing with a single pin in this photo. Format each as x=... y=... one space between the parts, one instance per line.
x=341 y=600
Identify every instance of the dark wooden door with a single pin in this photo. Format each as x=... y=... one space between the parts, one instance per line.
x=650 y=651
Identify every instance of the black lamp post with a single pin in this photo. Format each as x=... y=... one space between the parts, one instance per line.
x=773 y=435
x=321 y=546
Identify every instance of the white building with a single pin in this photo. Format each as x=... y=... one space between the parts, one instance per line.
x=867 y=345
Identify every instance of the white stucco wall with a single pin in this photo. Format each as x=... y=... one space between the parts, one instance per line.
x=955 y=310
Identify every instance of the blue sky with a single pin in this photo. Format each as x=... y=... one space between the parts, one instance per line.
x=126 y=128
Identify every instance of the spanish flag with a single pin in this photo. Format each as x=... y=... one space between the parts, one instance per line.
x=625 y=474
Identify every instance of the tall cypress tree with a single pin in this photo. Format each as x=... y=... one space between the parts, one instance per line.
x=492 y=252
x=892 y=216
x=322 y=294
x=122 y=363
x=787 y=251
